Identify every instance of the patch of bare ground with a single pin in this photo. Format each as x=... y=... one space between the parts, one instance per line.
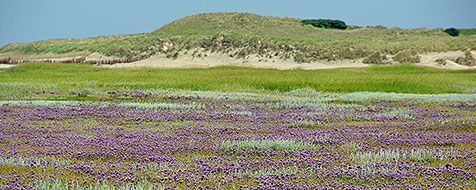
x=220 y=59
x=453 y=60
x=446 y=60
x=5 y=66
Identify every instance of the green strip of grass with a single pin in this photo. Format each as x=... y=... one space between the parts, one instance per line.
x=467 y=31
x=27 y=78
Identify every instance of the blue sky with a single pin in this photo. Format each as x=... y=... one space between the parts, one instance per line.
x=30 y=20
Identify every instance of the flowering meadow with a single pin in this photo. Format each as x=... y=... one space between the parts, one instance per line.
x=212 y=140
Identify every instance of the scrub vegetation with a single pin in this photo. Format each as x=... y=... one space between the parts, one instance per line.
x=242 y=34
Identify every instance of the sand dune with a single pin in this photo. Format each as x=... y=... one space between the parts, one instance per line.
x=218 y=59
x=254 y=61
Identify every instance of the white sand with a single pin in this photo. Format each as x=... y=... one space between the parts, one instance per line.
x=4 y=66
x=429 y=59
x=218 y=59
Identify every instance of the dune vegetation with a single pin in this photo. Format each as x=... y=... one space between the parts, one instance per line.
x=172 y=139
x=242 y=34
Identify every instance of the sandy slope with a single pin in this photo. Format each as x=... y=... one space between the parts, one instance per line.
x=216 y=59
x=219 y=59
x=429 y=60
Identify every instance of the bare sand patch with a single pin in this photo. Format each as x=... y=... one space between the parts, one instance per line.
x=445 y=60
x=430 y=60
x=219 y=59
x=6 y=66
x=98 y=56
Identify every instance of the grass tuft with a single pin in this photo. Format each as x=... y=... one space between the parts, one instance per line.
x=277 y=145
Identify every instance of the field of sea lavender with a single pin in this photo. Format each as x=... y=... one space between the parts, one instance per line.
x=210 y=140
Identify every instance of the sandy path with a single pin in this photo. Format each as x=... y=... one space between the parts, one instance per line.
x=4 y=66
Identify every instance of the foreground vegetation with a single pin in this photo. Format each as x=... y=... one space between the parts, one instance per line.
x=76 y=126
x=76 y=81
x=241 y=35
x=301 y=139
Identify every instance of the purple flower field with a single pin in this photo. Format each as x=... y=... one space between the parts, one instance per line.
x=240 y=141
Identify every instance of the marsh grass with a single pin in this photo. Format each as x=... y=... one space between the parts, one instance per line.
x=414 y=155
x=65 y=185
x=32 y=162
x=370 y=158
x=25 y=80
x=351 y=147
x=304 y=124
x=290 y=170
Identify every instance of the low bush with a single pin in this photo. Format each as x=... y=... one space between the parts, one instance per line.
x=326 y=23
x=452 y=32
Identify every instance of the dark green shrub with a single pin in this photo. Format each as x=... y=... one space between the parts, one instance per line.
x=452 y=32
x=326 y=23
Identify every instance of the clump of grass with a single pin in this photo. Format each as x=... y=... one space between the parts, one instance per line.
x=65 y=185
x=303 y=124
x=371 y=158
x=399 y=113
x=407 y=56
x=468 y=59
x=4 y=141
x=267 y=171
x=414 y=155
x=33 y=162
x=351 y=147
x=277 y=145
x=375 y=58
x=162 y=105
x=421 y=155
x=304 y=92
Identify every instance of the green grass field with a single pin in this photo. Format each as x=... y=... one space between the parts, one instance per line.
x=467 y=31
x=26 y=80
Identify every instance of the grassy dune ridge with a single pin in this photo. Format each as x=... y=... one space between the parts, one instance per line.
x=27 y=79
x=243 y=34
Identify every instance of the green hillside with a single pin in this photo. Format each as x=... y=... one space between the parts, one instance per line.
x=243 y=34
